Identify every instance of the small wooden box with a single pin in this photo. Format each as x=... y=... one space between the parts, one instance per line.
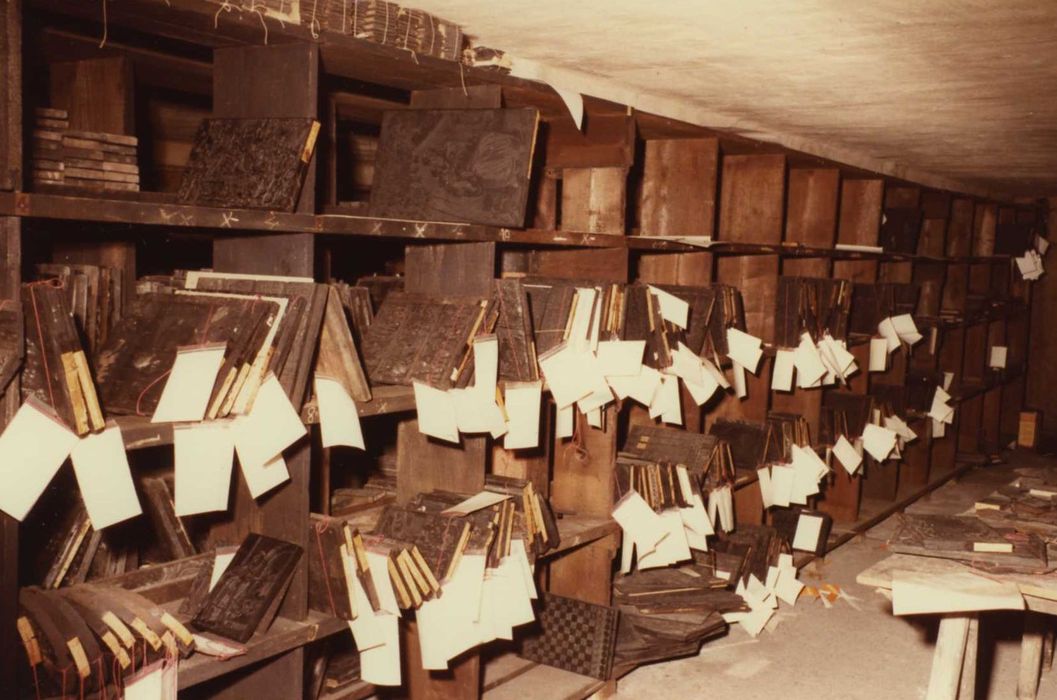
x=1028 y=428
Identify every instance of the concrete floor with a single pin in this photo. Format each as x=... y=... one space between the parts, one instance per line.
x=855 y=649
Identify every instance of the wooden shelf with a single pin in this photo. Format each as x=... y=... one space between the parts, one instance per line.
x=155 y=209
x=282 y=636
x=357 y=690
x=510 y=676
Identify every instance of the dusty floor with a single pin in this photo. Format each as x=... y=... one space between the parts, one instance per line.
x=855 y=649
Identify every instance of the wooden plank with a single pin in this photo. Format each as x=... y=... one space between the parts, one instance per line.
x=277 y=81
x=679 y=187
x=584 y=466
x=606 y=265
x=98 y=93
x=470 y=97
x=752 y=196
x=584 y=573
x=948 y=657
x=461 y=681
x=10 y=285
x=11 y=96
x=450 y=269
x=424 y=464
x=811 y=219
x=291 y=255
x=594 y=200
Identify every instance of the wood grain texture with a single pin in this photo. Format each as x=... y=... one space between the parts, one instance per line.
x=679 y=187
x=424 y=464
x=249 y=163
x=270 y=82
x=455 y=165
x=594 y=200
x=97 y=93
x=450 y=269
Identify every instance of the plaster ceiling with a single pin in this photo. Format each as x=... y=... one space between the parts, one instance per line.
x=957 y=95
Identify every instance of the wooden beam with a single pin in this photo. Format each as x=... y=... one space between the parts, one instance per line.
x=11 y=95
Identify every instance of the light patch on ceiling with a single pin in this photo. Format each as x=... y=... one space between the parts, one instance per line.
x=958 y=95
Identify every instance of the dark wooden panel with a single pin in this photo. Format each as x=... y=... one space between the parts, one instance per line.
x=249 y=163
x=594 y=200
x=270 y=82
x=97 y=93
x=450 y=269
x=470 y=97
x=679 y=188
x=288 y=255
x=604 y=265
x=455 y=165
x=11 y=96
x=424 y=464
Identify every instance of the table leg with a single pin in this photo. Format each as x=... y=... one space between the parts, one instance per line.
x=947 y=660
x=968 y=684
x=1030 y=656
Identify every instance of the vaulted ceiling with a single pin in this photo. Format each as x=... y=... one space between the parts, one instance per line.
x=953 y=94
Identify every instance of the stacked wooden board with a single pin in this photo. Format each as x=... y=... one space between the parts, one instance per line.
x=85 y=160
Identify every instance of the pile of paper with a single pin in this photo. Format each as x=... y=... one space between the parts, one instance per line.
x=762 y=596
x=896 y=330
x=783 y=484
x=1030 y=265
x=816 y=364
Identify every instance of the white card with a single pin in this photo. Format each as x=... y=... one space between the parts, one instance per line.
x=900 y=428
x=741 y=390
x=271 y=426
x=766 y=490
x=447 y=623
x=190 y=384
x=808 y=529
x=788 y=587
x=158 y=681
x=641 y=388
x=104 y=477
x=221 y=562
x=564 y=422
x=639 y=521
x=906 y=329
x=262 y=478
x=437 y=415
x=948 y=377
x=809 y=366
x=744 y=349
x=672 y=548
x=847 y=455
x=380 y=665
x=878 y=441
x=673 y=309
x=203 y=455
x=32 y=448
x=782 y=374
x=620 y=358
x=666 y=403
x=888 y=331
x=998 y=356
x=939 y=428
x=522 y=401
x=339 y=421
x=477 y=412
x=571 y=374
x=481 y=499
x=781 y=484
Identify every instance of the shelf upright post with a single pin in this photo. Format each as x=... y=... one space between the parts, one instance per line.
x=751 y=210
x=280 y=81
x=678 y=198
x=858 y=223
x=10 y=282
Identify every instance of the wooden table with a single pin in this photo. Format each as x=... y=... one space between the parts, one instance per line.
x=954 y=661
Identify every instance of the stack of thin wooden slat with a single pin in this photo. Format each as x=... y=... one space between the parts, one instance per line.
x=98 y=161
x=84 y=160
x=390 y=24
x=47 y=159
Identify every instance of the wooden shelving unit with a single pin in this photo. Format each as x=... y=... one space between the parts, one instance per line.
x=754 y=212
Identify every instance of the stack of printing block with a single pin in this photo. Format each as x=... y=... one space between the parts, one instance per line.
x=82 y=159
x=47 y=160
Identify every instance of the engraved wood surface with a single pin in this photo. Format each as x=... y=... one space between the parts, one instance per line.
x=455 y=165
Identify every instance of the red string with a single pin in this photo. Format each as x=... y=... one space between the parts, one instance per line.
x=320 y=528
x=36 y=680
x=202 y=339
x=147 y=388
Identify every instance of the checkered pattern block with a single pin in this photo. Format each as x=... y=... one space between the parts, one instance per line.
x=573 y=635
